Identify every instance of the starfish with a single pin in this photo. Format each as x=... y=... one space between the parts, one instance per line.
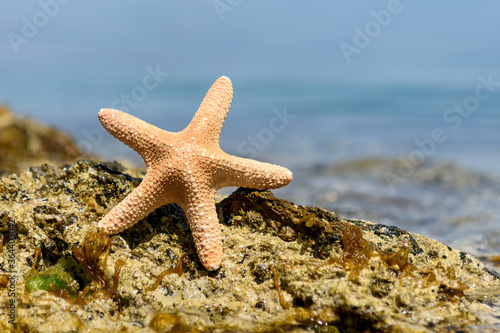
x=187 y=168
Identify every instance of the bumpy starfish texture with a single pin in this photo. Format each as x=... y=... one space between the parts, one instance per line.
x=187 y=168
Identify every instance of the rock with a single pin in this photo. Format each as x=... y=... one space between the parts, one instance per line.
x=24 y=142
x=286 y=267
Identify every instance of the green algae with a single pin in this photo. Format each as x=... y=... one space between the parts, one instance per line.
x=56 y=279
x=50 y=283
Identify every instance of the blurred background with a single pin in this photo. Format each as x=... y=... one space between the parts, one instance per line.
x=384 y=110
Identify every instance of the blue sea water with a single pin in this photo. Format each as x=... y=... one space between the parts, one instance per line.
x=404 y=131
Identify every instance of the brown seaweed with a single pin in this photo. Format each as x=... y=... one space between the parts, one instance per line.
x=94 y=246
x=177 y=269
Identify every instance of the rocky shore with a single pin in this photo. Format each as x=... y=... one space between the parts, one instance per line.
x=286 y=268
x=25 y=142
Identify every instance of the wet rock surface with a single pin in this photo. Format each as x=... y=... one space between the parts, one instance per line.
x=286 y=268
x=24 y=142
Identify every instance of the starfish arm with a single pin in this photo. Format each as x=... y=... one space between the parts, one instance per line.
x=244 y=172
x=187 y=168
x=208 y=120
x=204 y=224
x=144 y=199
x=135 y=133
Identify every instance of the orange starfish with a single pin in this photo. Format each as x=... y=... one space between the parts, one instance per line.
x=187 y=168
